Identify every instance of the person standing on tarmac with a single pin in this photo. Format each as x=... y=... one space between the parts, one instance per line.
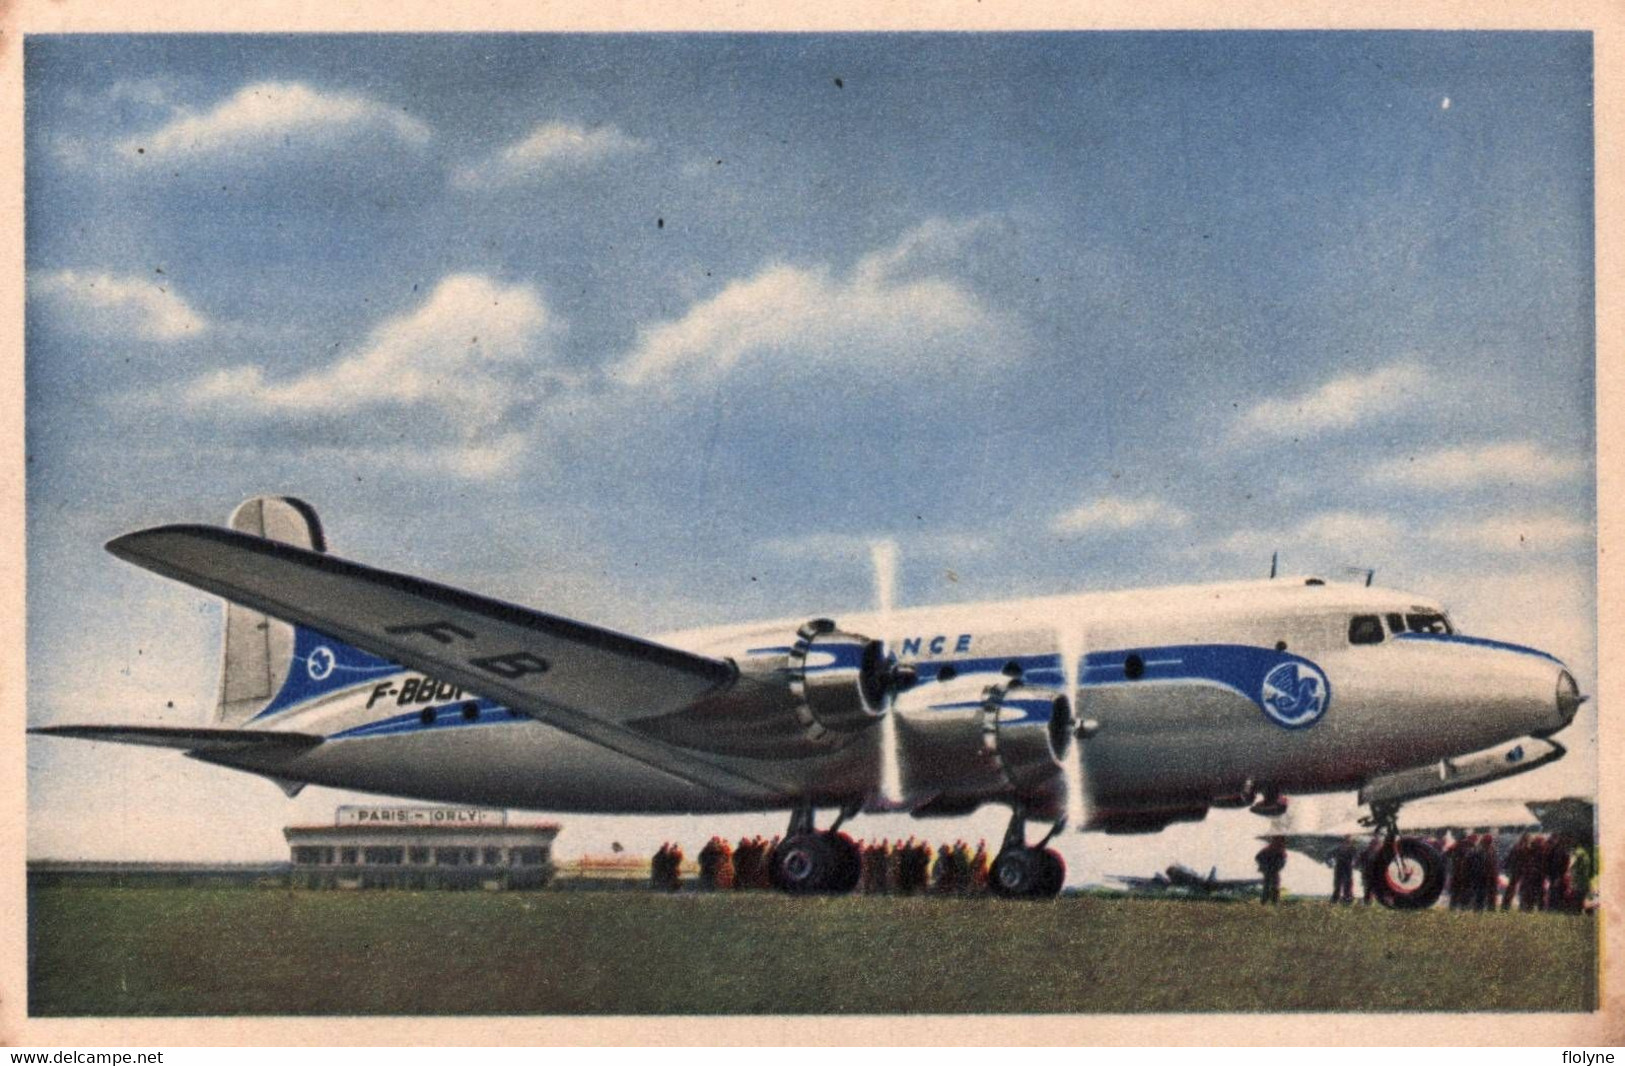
x=1270 y=860
x=1517 y=863
x=1343 y=859
x=1492 y=872
x=1371 y=863
x=1557 y=869
x=979 y=868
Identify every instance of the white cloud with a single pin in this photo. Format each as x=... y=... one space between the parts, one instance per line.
x=268 y=112
x=870 y=315
x=1351 y=530
x=1508 y=463
x=108 y=304
x=1114 y=513
x=1533 y=534
x=549 y=149
x=450 y=351
x=464 y=366
x=1339 y=404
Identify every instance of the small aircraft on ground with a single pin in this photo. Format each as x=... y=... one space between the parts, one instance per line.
x=1120 y=712
x=1180 y=879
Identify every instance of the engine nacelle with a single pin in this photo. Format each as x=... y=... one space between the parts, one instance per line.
x=809 y=698
x=838 y=679
x=969 y=741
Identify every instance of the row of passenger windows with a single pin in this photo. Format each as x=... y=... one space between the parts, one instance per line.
x=308 y=855
x=1368 y=628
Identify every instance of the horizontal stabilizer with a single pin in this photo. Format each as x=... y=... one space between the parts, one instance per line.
x=197 y=740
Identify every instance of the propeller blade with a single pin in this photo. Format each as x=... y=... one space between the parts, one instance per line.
x=883 y=556
x=1069 y=643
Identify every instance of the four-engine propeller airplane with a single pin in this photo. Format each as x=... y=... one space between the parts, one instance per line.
x=1120 y=712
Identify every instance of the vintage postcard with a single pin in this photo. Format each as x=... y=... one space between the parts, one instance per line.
x=560 y=531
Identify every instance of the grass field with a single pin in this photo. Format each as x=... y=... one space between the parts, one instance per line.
x=95 y=951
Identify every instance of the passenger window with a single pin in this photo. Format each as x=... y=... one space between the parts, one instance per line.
x=1396 y=624
x=1365 y=629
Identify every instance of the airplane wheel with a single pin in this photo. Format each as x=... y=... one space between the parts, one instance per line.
x=1413 y=876
x=806 y=863
x=1052 y=874
x=849 y=863
x=1016 y=872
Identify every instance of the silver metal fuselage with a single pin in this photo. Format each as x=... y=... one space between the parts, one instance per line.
x=1183 y=696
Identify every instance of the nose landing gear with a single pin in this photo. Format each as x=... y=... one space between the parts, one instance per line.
x=1409 y=872
x=1023 y=871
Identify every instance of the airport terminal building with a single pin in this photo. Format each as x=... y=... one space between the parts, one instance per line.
x=422 y=847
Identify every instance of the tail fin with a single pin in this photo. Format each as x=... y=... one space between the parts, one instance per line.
x=258 y=650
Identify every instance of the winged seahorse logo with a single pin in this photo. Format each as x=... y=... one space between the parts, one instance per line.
x=1295 y=694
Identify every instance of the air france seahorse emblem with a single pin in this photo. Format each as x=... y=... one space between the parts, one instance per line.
x=320 y=663
x=1295 y=694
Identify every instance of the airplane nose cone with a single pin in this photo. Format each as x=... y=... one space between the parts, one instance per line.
x=1568 y=698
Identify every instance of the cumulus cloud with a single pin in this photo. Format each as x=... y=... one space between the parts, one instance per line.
x=269 y=112
x=109 y=304
x=1110 y=514
x=1339 y=404
x=886 y=309
x=550 y=149
x=1508 y=463
x=1329 y=529
x=468 y=360
x=1530 y=534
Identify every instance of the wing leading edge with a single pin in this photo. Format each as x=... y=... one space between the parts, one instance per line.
x=585 y=680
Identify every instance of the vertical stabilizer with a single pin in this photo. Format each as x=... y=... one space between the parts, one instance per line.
x=258 y=649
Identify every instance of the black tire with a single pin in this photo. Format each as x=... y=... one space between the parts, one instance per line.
x=1411 y=875
x=804 y=864
x=849 y=863
x=1052 y=875
x=1016 y=873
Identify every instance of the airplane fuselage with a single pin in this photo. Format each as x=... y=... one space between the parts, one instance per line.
x=1177 y=698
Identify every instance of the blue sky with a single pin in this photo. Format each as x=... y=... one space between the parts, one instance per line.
x=657 y=330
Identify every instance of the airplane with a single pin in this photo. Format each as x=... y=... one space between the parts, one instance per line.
x=1181 y=878
x=1115 y=712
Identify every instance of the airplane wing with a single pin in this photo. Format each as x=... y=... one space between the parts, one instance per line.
x=579 y=678
x=1140 y=884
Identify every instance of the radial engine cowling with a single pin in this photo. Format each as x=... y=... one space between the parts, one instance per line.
x=838 y=679
x=973 y=741
x=811 y=697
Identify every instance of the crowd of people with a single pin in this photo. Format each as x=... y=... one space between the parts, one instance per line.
x=904 y=867
x=1541 y=872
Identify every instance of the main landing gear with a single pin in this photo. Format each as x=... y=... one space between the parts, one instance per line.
x=1020 y=871
x=809 y=862
x=1409 y=872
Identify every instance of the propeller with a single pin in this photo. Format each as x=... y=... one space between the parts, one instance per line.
x=883 y=556
x=1068 y=641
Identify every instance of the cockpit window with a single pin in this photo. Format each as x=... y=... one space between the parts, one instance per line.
x=1365 y=629
x=1396 y=624
x=1428 y=623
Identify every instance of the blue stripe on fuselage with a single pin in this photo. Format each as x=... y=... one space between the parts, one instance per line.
x=1478 y=642
x=323 y=665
